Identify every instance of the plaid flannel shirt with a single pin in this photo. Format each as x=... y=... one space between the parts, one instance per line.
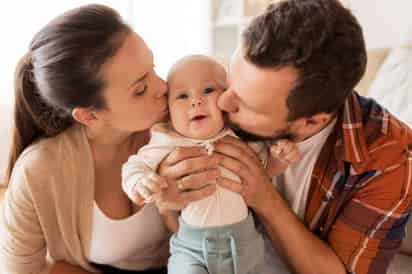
x=360 y=195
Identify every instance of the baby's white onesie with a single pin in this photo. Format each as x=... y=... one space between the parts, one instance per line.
x=223 y=207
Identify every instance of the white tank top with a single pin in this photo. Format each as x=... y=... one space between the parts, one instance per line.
x=137 y=242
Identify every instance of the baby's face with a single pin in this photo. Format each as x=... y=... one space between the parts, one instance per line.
x=194 y=88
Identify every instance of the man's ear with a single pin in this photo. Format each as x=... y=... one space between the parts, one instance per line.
x=84 y=116
x=307 y=126
x=317 y=122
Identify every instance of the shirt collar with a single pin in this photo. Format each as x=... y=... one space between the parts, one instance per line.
x=351 y=142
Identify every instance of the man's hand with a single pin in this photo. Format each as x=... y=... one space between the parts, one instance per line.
x=255 y=187
x=188 y=172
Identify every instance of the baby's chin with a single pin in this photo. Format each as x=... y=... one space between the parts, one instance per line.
x=205 y=134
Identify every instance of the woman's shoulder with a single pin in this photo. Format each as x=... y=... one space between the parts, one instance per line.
x=49 y=159
x=52 y=168
x=52 y=149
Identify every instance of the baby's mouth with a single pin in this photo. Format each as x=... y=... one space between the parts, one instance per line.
x=199 y=118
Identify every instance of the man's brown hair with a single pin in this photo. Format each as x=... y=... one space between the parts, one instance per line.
x=319 y=38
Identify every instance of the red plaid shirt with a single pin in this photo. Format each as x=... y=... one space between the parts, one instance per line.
x=360 y=194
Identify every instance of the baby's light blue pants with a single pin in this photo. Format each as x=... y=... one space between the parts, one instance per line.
x=231 y=249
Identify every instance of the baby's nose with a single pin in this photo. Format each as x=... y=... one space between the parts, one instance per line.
x=197 y=102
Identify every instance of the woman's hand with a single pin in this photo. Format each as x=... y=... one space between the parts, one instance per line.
x=188 y=172
x=255 y=187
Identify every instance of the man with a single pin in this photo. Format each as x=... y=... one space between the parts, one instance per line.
x=344 y=206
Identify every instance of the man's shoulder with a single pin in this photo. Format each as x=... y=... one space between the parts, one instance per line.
x=386 y=137
x=379 y=123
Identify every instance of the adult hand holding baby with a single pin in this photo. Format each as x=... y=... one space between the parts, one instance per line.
x=186 y=170
x=256 y=187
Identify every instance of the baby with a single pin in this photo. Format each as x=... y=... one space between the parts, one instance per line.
x=216 y=234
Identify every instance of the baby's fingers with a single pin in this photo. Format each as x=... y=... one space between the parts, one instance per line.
x=285 y=151
x=288 y=148
x=140 y=194
x=155 y=180
x=280 y=147
x=292 y=157
x=153 y=184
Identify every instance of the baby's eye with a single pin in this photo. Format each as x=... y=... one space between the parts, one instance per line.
x=209 y=90
x=182 y=96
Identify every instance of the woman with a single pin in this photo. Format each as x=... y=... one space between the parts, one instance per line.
x=86 y=95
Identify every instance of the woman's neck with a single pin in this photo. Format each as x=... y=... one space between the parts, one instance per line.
x=107 y=138
x=108 y=144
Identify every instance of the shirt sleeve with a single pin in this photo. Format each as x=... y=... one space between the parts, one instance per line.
x=146 y=161
x=369 y=230
x=22 y=245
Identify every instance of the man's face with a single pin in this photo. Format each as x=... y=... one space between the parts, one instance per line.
x=255 y=101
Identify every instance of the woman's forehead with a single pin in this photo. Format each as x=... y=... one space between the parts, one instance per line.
x=131 y=62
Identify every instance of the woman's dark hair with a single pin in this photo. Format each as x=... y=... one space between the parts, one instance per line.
x=61 y=71
x=319 y=38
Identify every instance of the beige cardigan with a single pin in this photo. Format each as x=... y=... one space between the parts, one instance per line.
x=48 y=205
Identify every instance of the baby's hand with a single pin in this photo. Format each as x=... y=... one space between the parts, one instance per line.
x=148 y=188
x=283 y=153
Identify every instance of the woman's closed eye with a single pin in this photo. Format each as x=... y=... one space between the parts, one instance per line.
x=140 y=92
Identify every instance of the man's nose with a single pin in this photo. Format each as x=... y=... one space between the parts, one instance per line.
x=226 y=102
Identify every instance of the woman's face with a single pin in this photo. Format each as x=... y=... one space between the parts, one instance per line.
x=135 y=95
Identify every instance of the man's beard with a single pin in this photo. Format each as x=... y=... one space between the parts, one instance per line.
x=251 y=137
